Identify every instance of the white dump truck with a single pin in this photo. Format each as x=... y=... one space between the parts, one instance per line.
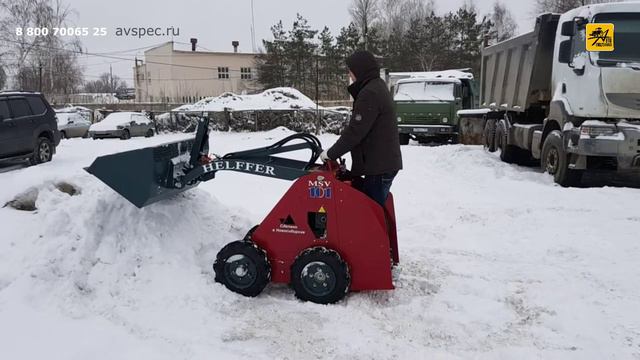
x=545 y=95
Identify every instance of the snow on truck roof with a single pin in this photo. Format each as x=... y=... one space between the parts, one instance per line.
x=424 y=79
x=587 y=11
x=282 y=98
x=434 y=75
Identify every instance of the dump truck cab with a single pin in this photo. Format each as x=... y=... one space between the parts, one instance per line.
x=596 y=99
x=426 y=104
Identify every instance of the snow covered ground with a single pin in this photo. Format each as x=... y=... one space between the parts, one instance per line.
x=496 y=262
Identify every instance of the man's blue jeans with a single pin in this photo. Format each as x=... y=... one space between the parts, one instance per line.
x=377 y=187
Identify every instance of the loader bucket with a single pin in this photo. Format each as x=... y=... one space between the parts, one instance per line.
x=143 y=176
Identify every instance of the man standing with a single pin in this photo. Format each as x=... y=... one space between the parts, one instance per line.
x=372 y=133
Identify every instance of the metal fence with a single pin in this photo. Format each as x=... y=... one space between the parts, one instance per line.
x=308 y=121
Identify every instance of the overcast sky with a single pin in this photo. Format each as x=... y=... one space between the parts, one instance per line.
x=216 y=23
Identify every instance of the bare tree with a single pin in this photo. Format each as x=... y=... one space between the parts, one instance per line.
x=3 y=77
x=105 y=84
x=396 y=15
x=562 y=6
x=364 y=13
x=503 y=25
x=46 y=63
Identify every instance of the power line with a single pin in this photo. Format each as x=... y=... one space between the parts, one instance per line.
x=118 y=57
x=129 y=50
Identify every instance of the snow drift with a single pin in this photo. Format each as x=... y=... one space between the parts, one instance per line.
x=282 y=98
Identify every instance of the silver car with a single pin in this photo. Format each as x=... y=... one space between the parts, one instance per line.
x=71 y=124
x=122 y=125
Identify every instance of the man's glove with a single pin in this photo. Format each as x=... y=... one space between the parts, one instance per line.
x=324 y=157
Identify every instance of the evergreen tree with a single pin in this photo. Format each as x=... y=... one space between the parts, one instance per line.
x=467 y=36
x=272 y=65
x=424 y=42
x=332 y=69
x=349 y=40
x=301 y=55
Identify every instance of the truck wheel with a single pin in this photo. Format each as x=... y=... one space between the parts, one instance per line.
x=149 y=133
x=243 y=268
x=43 y=151
x=63 y=135
x=508 y=153
x=556 y=162
x=489 y=135
x=320 y=275
x=404 y=139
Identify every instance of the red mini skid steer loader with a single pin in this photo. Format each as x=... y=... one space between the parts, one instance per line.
x=324 y=237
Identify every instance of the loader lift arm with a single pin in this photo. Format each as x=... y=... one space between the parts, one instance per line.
x=258 y=161
x=147 y=175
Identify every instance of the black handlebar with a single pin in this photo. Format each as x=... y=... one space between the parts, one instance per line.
x=258 y=161
x=310 y=142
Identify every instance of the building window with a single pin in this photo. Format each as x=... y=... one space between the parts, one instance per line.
x=245 y=73
x=223 y=72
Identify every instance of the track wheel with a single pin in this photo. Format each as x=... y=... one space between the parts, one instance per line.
x=320 y=275
x=243 y=267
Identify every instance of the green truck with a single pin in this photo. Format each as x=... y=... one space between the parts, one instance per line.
x=427 y=102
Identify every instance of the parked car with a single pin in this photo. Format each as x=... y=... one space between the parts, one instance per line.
x=72 y=124
x=122 y=125
x=86 y=113
x=28 y=127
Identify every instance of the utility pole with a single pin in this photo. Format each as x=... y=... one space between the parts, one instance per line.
x=253 y=30
x=40 y=77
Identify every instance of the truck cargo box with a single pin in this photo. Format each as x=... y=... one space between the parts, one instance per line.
x=516 y=73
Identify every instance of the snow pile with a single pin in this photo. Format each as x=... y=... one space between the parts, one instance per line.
x=74 y=274
x=282 y=98
x=344 y=110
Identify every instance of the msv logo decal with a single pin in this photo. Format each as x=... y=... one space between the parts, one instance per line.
x=320 y=188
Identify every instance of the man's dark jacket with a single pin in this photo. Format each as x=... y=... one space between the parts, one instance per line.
x=372 y=133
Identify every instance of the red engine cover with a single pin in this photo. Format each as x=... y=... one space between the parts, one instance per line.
x=356 y=228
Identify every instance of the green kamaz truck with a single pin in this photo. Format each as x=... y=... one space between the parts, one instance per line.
x=427 y=102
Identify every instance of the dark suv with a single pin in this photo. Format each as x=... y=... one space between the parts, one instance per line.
x=28 y=127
